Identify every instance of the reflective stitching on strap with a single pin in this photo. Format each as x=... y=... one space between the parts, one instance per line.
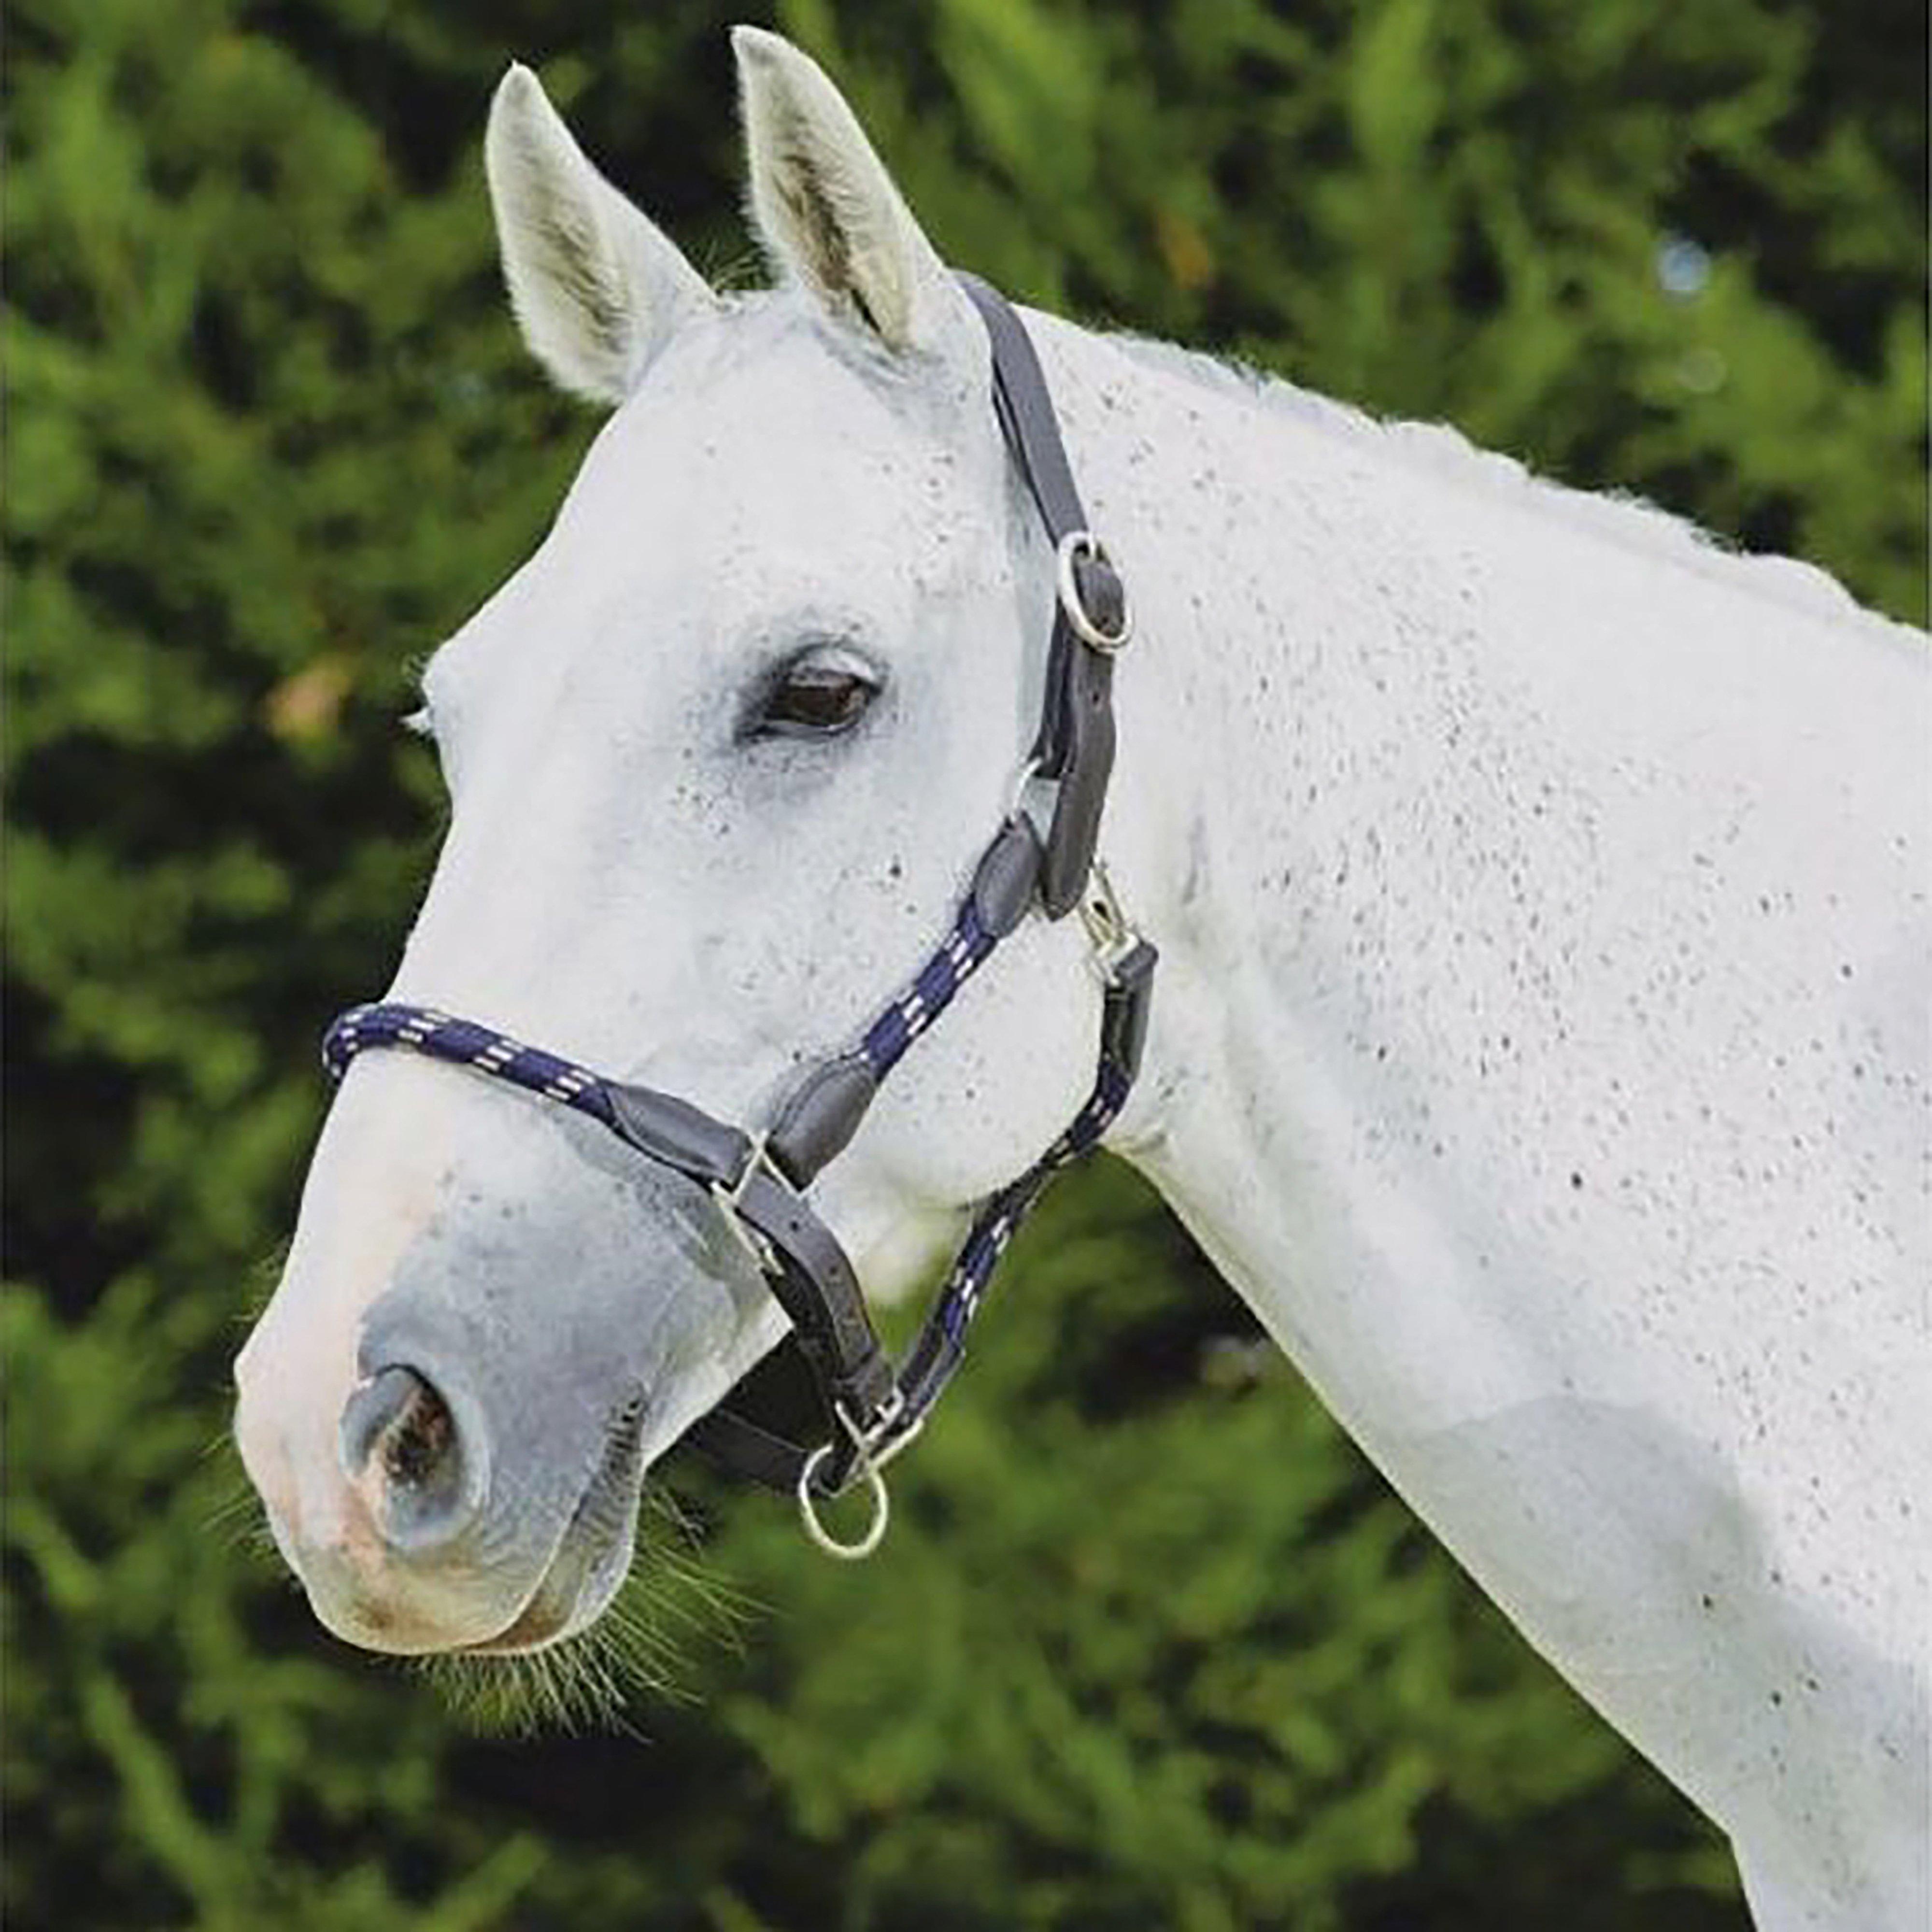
x=932 y=989
x=437 y=1037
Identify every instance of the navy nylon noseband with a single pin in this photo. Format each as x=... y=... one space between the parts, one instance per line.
x=873 y=1408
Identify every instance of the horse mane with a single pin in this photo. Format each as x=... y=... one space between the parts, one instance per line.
x=1440 y=451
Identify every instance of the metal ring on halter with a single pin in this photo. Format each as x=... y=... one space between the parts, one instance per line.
x=875 y=1534
x=1084 y=543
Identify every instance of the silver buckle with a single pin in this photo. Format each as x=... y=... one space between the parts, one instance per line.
x=731 y=1201
x=1084 y=543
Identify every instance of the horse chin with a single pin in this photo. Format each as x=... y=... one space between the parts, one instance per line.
x=592 y=1556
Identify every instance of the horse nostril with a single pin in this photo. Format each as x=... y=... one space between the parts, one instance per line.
x=391 y=1414
x=397 y=1427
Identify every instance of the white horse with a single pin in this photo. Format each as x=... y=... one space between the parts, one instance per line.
x=1541 y=1047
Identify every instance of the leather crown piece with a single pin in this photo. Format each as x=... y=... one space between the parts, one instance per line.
x=870 y=1409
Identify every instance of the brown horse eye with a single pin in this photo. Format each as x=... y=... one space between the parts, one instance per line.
x=816 y=700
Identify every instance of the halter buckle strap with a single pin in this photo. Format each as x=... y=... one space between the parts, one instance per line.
x=759 y=1182
x=1075 y=747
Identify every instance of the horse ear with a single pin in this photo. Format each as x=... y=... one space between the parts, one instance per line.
x=596 y=287
x=825 y=209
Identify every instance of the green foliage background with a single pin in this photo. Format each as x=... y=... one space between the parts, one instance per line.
x=270 y=437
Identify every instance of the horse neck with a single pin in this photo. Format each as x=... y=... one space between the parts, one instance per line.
x=1539 y=1048
x=1287 y=584
x=1423 y=783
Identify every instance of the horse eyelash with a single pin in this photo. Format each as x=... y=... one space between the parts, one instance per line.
x=420 y=723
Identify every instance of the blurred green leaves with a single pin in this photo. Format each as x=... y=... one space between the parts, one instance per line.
x=271 y=437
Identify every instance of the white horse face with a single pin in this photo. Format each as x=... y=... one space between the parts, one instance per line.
x=720 y=758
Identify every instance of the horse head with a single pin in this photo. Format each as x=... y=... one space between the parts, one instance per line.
x=718 y=757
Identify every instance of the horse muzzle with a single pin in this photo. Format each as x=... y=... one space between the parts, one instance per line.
x=416 y=1546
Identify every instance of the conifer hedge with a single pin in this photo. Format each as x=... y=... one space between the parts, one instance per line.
x=270 y=437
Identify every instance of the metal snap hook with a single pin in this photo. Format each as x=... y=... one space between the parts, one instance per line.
x=1110 y=934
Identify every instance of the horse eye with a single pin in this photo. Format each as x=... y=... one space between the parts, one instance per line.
x=817 y=696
